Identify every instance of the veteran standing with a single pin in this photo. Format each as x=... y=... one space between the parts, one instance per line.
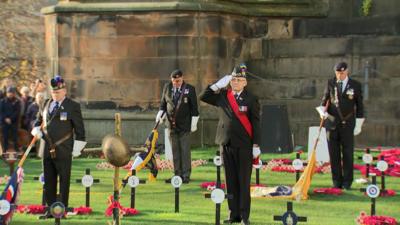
x=179 y=106
x=238 y=134
x=64 y=133
x=342 y=105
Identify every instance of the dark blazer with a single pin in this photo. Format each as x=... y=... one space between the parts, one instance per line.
x=350 y=102
x=187 y=108
x=57 y=128
x=230 y=130
x=10 y=109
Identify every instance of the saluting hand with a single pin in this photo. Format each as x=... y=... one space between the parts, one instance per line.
x=221 y=83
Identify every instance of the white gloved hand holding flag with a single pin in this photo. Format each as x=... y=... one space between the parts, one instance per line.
x=160 y=117
x=36 y=132
x=322 y=113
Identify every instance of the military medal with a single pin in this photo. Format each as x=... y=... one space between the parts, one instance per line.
x=336 y=101
x=63 y=116
x=186 y=91
x=350 y=93
x=242 y=108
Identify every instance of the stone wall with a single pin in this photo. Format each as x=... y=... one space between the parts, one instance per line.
x=22 y=54
x=118 y=62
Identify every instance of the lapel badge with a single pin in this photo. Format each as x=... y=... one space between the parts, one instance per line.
x=63 y=116
x=186 y=91
x=350 y=93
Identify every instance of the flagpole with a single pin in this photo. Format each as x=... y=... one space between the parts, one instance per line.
x=321 y=124
x=21 y=162
x=26 y=153
x=116 y=218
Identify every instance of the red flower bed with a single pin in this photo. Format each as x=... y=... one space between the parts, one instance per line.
x=328 y=191
x=387 y=193
x=392 y=157
x=211 y=185
x=35 y=209
x=124 y=211
x=83 y=210
x=364 y=219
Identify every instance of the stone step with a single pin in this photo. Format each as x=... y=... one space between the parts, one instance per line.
x=331 y=47
x=322 y=67
x=378 y=25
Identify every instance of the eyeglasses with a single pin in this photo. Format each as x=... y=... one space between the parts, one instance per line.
x=238 y=80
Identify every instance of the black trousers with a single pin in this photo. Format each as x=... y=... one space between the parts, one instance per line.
x=7 y=129
x=180 y=143
x=341 y=153
x=238 y=168
x=53 y=169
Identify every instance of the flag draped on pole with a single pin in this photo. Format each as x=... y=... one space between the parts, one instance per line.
x=11 y=193
x=300 y=190
x=147 y=158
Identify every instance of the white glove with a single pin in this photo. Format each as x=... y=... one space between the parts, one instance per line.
x=221 y=83
x=256 y=152
x=36 y=132
x=357 y=128
x=195 y=119
x=138 y=160
x=160 y=117
x=78 y=146
x=322 y=113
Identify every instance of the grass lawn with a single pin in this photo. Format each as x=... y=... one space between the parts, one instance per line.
x=155 y=201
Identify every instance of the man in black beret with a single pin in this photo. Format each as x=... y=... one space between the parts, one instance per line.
x=342 y=104
x=179 y=106
x=238 y=134
x=61 y=125
x=10 y=108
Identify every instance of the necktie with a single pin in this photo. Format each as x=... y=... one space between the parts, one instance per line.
x=56 y=106
x=340 y=87
x=176 y=96
x=236 y=96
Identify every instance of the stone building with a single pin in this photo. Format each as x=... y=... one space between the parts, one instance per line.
x=117 y=55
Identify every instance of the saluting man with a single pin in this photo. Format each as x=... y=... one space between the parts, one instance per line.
x=238 y=134
x=64 y=133
x=179 y=106
x=342 y=104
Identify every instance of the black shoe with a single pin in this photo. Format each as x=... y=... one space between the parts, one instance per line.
x=185 y=180
x=231 y=221
x=245 y=222
x=45 y=216
x=347 y=187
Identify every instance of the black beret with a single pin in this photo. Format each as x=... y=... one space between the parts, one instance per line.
x=176 y=73
x=240 y=71
x=57 y=83
x=341 y=66
x=11 y=90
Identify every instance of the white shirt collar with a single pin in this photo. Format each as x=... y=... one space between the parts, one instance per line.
x=237 y=93
x=60 y=102
x=344 y=83
x=174 y=89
